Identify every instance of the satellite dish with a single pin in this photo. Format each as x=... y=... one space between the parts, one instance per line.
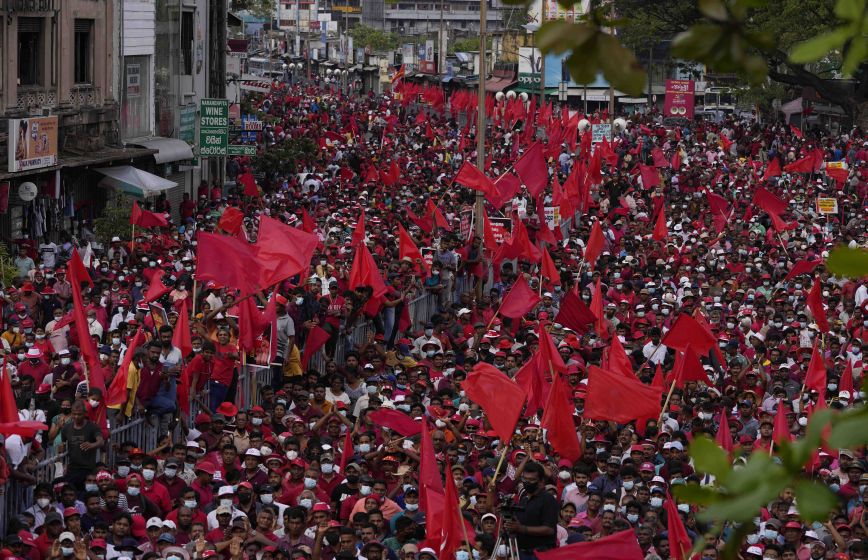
x=27 y=191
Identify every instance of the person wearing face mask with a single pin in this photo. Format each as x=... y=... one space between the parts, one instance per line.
x=427 y=338
x=153 y=489
x=171 y=480
x=535 y=527
x=65 y=375
x=137 y=502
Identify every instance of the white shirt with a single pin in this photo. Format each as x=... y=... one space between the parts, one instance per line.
x=652 y=355
x=861 y=294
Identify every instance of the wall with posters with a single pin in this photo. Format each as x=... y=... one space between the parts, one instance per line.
x=32 y=143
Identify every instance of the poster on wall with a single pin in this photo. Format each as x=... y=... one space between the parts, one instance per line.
x=32 y=143
x=134 y=81
x=679 y=99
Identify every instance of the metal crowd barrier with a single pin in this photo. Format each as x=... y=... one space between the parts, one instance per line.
x=251 y=378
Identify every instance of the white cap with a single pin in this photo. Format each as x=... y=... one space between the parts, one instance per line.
x=754 y=550
x=66 y=536
x=463 y=311
x=253 y=452
x=224 y=490
x=154 y=522
x=167 y=524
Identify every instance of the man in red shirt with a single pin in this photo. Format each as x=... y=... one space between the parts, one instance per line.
x=225 y=356
x=153 y=489
x=53 y=528
x=34 y=365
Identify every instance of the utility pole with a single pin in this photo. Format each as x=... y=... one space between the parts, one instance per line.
x=542 y=59
x=479 y=211
x=441 y=58
x=217 y=13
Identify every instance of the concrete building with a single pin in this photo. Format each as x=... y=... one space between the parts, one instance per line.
x=412 y=17
x=58 y=97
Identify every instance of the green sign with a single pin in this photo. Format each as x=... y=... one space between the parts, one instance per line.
x=187 y=130
x=529 y=79
x=240 y=150
x=213 y=127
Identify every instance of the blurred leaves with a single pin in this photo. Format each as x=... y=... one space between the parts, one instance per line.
x=851 y=263
x=815 y=501
x=850 y=38
x=724 y=41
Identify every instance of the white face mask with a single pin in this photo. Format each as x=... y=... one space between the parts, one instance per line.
x=123 y=470
x=365 y=490
x=116 y=340
x=190 y=504
x=306 y=503
x=292 y=454
x=628 y=485
x=364 y=448
x=170 y=472
x=609 y=507
x=133 y=491
x=266 y=498
x=412 y=507
x=632 y=517
x=327 y=468
x=256 y=421
x=65 y=361
x=66 y=550
x=95 y=404
x=43 y=502
x=564 y=475
x=148 y=474
x=227 y=503
x=91 y=488
x=310 y=483
x=656 y=502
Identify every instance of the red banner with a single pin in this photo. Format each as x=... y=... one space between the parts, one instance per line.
x=679 y=99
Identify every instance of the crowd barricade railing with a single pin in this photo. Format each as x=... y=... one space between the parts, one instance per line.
x=251 y=378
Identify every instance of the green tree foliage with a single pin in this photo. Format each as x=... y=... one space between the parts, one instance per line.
x=281 y=159
x=466 y=45
x=364 y=36
x=794 y=42
x=114 y=219
x=261 y=9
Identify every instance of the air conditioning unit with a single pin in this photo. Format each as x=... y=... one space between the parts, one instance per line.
x=45 y=111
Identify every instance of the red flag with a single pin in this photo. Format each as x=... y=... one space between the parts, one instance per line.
x=801 y=165
x=815 y=304
x=453 y=529
x=650 y=176
x=619 y=362
x=772 y=170
x=764 y=199
x=407 y=248
x=439 y=219
x=74 y=269
x=156 y=288
x=659 y=158
x=519 y=245
x=470 y=176
x=532 y=169
x=252 y=323
x=675 y=162
x=249 y=183
x=687 y=332
x=227 y=261
x=803 y=266
x=145 y=218
x=499 y=396
x=660 y=230
x=680 y=544
x=231 y=220
x=8 y=408
x=574 y=313
x=597 y=310
x=520 y=299
x=622 y=545
x=815 y=379
x=720 y=210
x=347 y=450
x=558 y=420
x=430 y=483
x=283 y=251
x=796 y=131
x=181 y=335
x=658 y=378
x=395 y=421
x=549 y=270
x=702 y=322
x=594 y=246
x=316 y=339
x=507 y=185
x=308 y=225
x=846 y=381
x=688 y=368
x=117 y=391
x=364 y=272
x=611 y=396
x=550 y=358
x=781 y=430
x=724 y=436
x=359 y=233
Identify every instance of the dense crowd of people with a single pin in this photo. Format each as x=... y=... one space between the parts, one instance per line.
x=311 y=471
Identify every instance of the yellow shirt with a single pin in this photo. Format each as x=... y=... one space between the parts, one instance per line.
x=134 y=377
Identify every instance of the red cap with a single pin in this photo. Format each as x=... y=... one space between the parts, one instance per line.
x=137 y=452
x=70 y=511
x=227 y=409
x=202 y=418
x=321 y=506
x=246 y=485
x=206 y=467
x=98 y=543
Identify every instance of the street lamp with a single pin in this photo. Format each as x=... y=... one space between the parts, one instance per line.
x=510 y=95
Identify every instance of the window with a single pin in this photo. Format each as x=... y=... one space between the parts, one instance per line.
x=187 y=43
x=29 y=51
x=83 y=51
x=136 y=95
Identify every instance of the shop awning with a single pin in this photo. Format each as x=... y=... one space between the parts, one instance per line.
x=168 y=149
x=136 y=182
x=498 y=84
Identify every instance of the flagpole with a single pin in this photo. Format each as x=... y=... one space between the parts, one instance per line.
x=133 y=246
x=666 y=403
x=480 y=125
x=500 y=462
x=195 y=287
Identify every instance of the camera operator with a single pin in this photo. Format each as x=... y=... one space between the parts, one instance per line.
x=535 y=523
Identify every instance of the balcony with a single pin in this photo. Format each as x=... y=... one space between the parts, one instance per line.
x=85 y=95
x=31 y=99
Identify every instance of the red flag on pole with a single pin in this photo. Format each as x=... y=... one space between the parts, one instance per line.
x=772 y=170
x=439 y=219
x=680 y=544
x=558 y=420
x=181 y=335
x=156 y=288
x=619 y=362
x=622 y=545
x=520 y=299
x=532 y=170
x=764 y=199
x=499 y=396
x=688 y=332
x=358 y=237
x=574 y=313
x=660 y=230
x=815 y=304
x=724 y=436
x=227 y=261
x=231 y=220
x=74 y=270
x=549 y=270
x=803 y=266
x=650 y=176
x=117 y=391
x=601 y=323
x=846 y=381
x=308 y=225
x=283 y=251
x=471 y=177
x=347 y=450
x=146 y=219
x=612 y=396
x=407 y=248
x=395 y=421
x=781 y=430
x=688 y=368
x=594 y=246
x=8 y=408
x=316 y=339
x=815 y=379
